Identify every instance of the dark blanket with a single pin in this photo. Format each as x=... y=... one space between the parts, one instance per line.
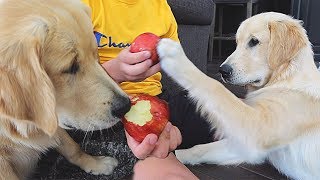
x=110 y=142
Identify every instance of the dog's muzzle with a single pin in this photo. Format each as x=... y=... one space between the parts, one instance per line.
x=226 y=71
x=121 y=107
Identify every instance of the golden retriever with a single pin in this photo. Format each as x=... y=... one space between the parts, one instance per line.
x=50 y=76
x=279 y=120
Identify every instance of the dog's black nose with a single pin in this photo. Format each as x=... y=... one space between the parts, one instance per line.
x=121 y=106
x=225 y=70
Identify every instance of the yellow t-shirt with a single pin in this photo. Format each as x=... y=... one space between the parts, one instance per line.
x=117 y=22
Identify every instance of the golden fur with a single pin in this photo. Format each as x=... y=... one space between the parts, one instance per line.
x=279 y=120
x=50 y=76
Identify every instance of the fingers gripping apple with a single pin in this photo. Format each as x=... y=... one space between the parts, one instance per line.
x=148 y=114
x=146 y=42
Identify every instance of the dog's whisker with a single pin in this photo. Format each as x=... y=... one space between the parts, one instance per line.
x=101 y=133
x=85 y=136
x=90 y=132
x=112 y=129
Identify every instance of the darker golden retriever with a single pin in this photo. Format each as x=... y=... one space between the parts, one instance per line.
x=50 y=76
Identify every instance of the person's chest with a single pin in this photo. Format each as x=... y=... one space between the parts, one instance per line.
x=117 y=24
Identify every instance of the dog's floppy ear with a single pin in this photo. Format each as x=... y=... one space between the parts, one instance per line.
x=26 y=93
x=286 y=39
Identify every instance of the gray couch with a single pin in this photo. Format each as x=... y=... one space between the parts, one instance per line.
x=194 y=21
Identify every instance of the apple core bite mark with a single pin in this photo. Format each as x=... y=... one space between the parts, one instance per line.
x=140 y=113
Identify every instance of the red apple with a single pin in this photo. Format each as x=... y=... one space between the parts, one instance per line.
x=146 y=42
x=148 y=114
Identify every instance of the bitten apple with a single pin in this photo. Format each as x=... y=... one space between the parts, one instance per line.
x=148 y=114
x=146 y=42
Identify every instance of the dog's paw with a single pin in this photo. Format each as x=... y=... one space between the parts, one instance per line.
x=171 y=54
x=185 y=157
x=100 y=165
x=168 y=48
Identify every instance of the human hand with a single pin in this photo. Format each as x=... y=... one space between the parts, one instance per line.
x=129 y=66
x=168 y=141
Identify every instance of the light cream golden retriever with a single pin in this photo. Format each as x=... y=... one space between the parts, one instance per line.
x=50 y=75
x=279 y=120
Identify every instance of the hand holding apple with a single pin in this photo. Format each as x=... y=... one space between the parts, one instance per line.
x=148 y=115
x=137 y=62
x=146 y=42
x=154 y=146
x=128 y=66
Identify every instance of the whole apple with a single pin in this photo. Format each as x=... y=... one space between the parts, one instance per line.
x=146 y=42
x=148 y=114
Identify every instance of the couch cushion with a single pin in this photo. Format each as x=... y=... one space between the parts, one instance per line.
x=194 y=40
x=191 y=12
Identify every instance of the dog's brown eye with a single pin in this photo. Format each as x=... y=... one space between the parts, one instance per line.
x=73 y=68
x=253 y=42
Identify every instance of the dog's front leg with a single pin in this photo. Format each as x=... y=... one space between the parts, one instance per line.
x=213 y=153
x=91 y=164
x=6 y=170
x=215 y=100
x=222 y=152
